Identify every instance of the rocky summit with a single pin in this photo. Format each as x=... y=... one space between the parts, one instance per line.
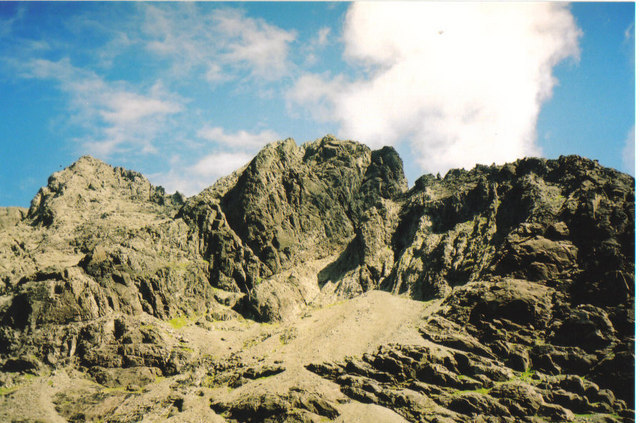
x=313 y=285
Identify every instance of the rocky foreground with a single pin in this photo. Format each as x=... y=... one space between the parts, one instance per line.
x=312 y=285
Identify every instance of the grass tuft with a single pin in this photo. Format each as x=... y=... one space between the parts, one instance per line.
x=178 y=322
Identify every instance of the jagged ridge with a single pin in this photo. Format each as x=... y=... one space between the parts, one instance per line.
x=101 y=250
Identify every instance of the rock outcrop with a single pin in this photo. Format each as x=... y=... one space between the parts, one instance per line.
x=513 y=290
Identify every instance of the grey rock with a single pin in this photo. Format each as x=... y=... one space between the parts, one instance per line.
x=149 y=302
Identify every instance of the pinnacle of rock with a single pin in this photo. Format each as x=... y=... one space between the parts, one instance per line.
x=90 y=186
x=502 y=293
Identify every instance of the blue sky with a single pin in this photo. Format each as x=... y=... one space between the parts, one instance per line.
x=187 y=92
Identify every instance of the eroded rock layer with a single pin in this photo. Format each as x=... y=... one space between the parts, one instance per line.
x=267 y=297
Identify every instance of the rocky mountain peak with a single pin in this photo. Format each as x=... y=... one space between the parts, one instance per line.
x=89 y=187
x=91 y=174
x=501 y=293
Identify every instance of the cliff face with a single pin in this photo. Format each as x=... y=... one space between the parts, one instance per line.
x=513 y=290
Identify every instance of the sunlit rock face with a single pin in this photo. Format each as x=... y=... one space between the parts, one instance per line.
x=313 y=284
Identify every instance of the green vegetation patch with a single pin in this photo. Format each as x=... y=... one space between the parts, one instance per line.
x=7 y=391
x=185 y=347
x=179 y=322
x=526 y=376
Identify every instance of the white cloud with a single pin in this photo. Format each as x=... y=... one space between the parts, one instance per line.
x=318 y=93
x=117 y=118
x=215 y=74
x=322 y=37
x=231 y=151
x=177 y=180
x=319 y=42
x=222 y=42
x=629 y=152
x=629 y=32
x=179 y=33
x=191 y=179
x=463 y=82
x=239 y=140
x=216 y=165
x=254 y=42
x=6 y=25
x=125 y=108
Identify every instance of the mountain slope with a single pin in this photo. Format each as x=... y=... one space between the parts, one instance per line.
x=512 y=292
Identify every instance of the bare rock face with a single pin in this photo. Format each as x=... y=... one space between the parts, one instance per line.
x=313 y=285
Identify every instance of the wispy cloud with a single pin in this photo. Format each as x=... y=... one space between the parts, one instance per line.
x=181 y=46
x=216 y=165
x=221 y=42
x=322 y=37
x=116 y=116
x=263 y=48
x=125 y=108
x=175 y=181
x=239 y=140
x=317 y=93
x=190 y=178
x=463 y=83
x=6 y=24
x=629 y=33
x=319 y=42
x=14 y=43
x=229 y=151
